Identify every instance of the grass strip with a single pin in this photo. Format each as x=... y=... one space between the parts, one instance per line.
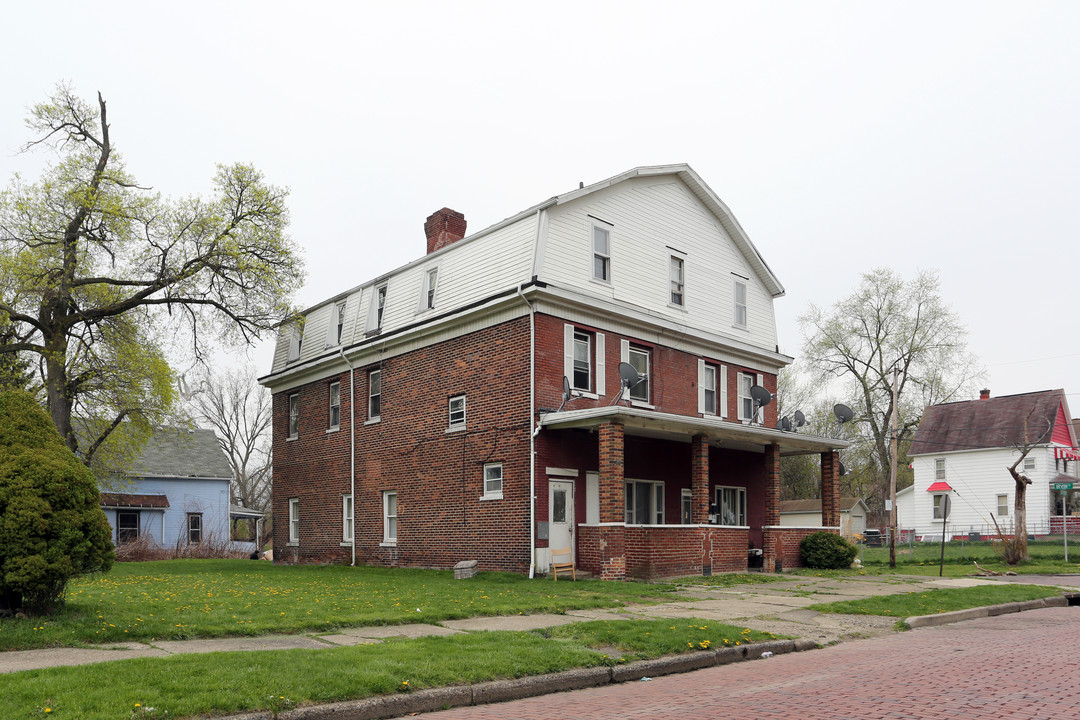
x=930 y=602
x=218 y=683
x=647 y=639
x=730 y=579
x=182 y=599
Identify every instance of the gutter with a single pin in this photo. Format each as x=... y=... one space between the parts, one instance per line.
x=532 y=433
x=352 y=451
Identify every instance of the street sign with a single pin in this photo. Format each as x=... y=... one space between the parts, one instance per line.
x=1063 y=486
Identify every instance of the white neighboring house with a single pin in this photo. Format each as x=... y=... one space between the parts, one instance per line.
x=962 y=451
x=807 y=513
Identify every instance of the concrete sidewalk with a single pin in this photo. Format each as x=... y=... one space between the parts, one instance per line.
x=778 y=607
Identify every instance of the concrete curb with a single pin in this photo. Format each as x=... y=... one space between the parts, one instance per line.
x=392 y=706
x=986 y=611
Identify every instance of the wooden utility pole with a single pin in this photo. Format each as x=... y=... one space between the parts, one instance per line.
x=893 y=430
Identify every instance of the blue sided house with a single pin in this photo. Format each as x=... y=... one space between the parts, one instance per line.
x=177 y=494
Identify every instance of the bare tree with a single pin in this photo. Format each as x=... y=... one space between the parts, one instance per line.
x=240 y=412
x=1016 y=548
x=890 y=323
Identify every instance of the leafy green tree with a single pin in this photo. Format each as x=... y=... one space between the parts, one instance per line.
x=887 y=323
x=98 y=273
x=51 y=525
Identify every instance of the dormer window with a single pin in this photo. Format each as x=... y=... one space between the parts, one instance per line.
x=339 y=328
x=296 y=342
x=380 y=305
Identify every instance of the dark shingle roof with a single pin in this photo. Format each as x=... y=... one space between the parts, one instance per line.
x=811 y=506
x=176 y=452
x=991 y=423
x=132 y=500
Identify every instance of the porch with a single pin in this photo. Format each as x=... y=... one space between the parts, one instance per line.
x=668 y=495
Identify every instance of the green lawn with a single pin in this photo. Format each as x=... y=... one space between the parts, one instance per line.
x=179 y=599
x=1047 y=557
x=188 y=685
x=730 y=579
x=930 y=602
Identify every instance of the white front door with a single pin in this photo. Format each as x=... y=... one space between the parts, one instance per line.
x=561 y=514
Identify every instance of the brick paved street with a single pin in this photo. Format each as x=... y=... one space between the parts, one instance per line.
x=1020 y=666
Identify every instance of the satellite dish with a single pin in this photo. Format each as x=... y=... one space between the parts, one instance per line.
x=761 y=396
x=629 y=375
x=800 y=419
x=565 y=389
x=843 y=413
x=842 y=468
x=784 y=424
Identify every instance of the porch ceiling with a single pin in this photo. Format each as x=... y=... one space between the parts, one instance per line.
x=681 y=428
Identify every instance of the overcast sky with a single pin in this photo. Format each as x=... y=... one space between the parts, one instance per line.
x=843 y=135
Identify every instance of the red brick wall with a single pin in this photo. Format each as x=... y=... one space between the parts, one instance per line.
x=602 y=551
x=438 y=476
x=659 y=552
x=784 y=543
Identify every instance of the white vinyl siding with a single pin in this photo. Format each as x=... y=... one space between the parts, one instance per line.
x=648 y=216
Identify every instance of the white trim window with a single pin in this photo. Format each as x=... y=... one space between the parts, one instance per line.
x=601 y=252
x=294 y=416
x=335 y=405
x=127 y=526
x=739 y=319
x=939 y=504
x=493 y=481
x=376 y=309
x=294 y=521
x=456 y=408
x=582 y=377
x=374 y=395
x=1030 y=464
x=686 y=504
x=639 y=359
x=707 y=403
x=336 y=326
x=390 y=516
x=939 y=468
x=1003 y=505
x=678 y=278
x=296 y=341
x=346 y=518
x=644 y=502
x=746 y=401
x=431 y=279
x=730 y=505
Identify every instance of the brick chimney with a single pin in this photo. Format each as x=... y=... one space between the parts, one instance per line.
x=442 y=228
x=984 y=394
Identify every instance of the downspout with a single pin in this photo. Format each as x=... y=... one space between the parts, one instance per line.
x=532 y=434
x=352 y=452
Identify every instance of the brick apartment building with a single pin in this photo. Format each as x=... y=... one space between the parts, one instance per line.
x=420 y=418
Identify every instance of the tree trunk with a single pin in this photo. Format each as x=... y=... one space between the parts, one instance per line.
x=1020 y=511
x=56 y=389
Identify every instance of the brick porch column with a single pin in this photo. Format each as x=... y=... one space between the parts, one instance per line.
x=611 y=538
x=699 y=479
x=771 y=538
x=830 y=489
x=612 y=469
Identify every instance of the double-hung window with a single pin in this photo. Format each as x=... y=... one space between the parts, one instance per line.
x=374 y=395
x=677 y=281
x=644 y=502
x=335 y=405
x=493 y=481
x=582 y=379
x=294 y=415
x=296 y=341
x=194 y=528
x=127 y=526
x=731 y=505
x=378 y=306
x=939 y=469
x=708 y=389
x=687 y=505
x=740 y=304
x=746 y=400
x=337 y=325
x=346 y=518
x=1003 y=505
x=941 y=506
x=601 y=252
x=456 y=406
x=639 y=359
x=390 y=516
x=430 y=281
x=294 y=521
